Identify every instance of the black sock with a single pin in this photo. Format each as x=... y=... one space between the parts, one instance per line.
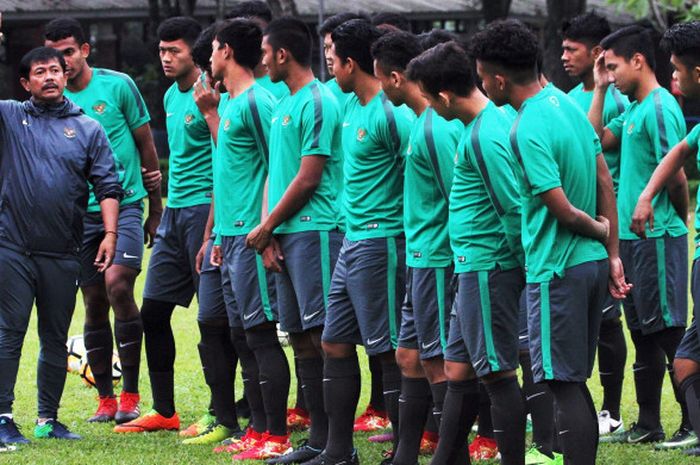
x=414 y=406
x=438 y=390
x=391 y=382
x=691 y=390
x=508 y=414
x=160 y=353
x=300 y=404
x=485 y=421
x=274 y=377
x=540 y=403
x=376 y=398
x=577 y=422
x=162 y=387
x=311 y=374
x=649 y=369
x=128 y=336
x=458 y=414
x=612 y=355
x=341 y=392
x=669 y=340
x=251 y=380
x=216 y=353
x=98 y=346
x=680 y=398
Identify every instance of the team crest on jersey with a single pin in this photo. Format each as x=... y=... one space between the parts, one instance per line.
x=286 y=120
x=554 y=101
x=361 y=134
x=227 y=124
x=69 y=132
x=189 y=118
x=630 y=128
x=99 y=107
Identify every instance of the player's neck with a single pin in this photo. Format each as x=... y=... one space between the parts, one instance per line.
x=521 y=93
x=468 y=108
x=588 y=81
x=366 y=87
x=237 y=79
x=415 y=100
x=646 y=86
x=81 y=81
x=186 y=82
x=298 y=77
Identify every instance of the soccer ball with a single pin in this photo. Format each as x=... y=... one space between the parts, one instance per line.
x=76 y=352
x=89 y=380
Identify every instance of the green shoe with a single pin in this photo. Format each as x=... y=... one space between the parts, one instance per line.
x=535 y=457
x=200 y=426
x=528 y=424
x=681 y=439
x=213 y=435
x=54 y=429
x=635 y=435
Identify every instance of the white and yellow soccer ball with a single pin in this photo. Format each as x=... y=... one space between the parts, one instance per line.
x=76 y=352
x=89 y=380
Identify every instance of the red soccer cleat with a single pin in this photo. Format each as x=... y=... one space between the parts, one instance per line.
x=298 y=419
x=371 y=420
x=128 y=407
x=237 y=445
x=106 y=410
x=428 y=443
x=152 y=421
x=483 y=448
x=267 y=447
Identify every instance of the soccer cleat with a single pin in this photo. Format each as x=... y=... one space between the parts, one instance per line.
x=152 y=421
x=298 y=419
x=323 y=459
x=128 y=407
x=267 y=447
x=371 y=420
x=213 y=435
x=235 y=445
x=106 y=410
x=7 y=447
x=535 y=457
x=384 y=437
x=303 y=453
x=428 y=443
x=200 y=426
x=694 y=452
x=635 y=435
x=607 y=424
x=528 y=424
x=9 y=432
x=54 y=429
x=681 y=439
x=483 y=448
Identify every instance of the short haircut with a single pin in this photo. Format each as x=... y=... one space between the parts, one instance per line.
x=62 y=28
x=334 y=21
x=180 y=27
x=394 y=19
x=250 y=9
x=589 y=29
x=628 y=41
x=244 y=36
x=510 y=45
x=39 y=55
x=202 y=48
x=393 y=51
x=445 y=67
x=436 y=36
x=293 y=35
x=683 y=41
x=354 y=39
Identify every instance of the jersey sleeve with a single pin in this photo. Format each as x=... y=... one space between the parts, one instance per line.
x=445 y=137
x=533 y=147
x=319 y=122
x=132 y=104
x=615 y=125
x=693 y=137
x=665 y=126
x=259 y=116
x=102 y=170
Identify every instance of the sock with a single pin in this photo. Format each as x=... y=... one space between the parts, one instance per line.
x=160 y=353
x=691 y=390
x=300 y=404
x=98 y=347
x=128 y=336
x=251 y=380
x=508 y=414
x=311 y=374
x=216 y=353
x=341 y=392
x=612 y=355
x=458 y=414
x=680 y=398
x=649 y=369
x=162 y=388
x=391 y=381
x=438 y=390
x=485 y=421
x=669 y=339
x=540 y=403
x=414 y=405
x=376 y=398
x=577 y=421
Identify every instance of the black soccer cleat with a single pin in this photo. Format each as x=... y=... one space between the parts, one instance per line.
x=301 y=454
x=323 y=459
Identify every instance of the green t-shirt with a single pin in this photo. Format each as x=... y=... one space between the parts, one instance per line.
x=223 y=103
x=485 y=205
x=278 y=89
x=341 y=97
x=190 y=166
x=306 y=123
x=615 y=104
x=427 y=184
x=647 y=130
x=338 y=93
x=241 y=161
x=555 y=155
x=692 y=140
x=113 y=99
x=375 y=137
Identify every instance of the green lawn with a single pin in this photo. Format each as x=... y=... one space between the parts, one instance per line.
x=101 y=446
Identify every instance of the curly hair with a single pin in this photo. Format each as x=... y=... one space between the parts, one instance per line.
x=354 y=39
x=683 y=41
x=589 y=28
x=445 y=67
x=393 y=51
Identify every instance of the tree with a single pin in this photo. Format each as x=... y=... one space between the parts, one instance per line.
x=558 y=12
x=283 y=8
x=661 y=13
x=495 y=9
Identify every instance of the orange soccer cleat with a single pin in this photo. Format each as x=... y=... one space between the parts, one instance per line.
x=152 y=421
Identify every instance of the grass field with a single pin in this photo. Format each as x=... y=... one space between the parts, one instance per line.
x=101 y=446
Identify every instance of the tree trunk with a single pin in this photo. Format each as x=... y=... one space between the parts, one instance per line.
x=495 y=9
x=283 y=8
x=557 y=13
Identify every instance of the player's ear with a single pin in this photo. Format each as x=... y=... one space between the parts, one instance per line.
x=696 y=74
x=397 y=78
x=85 y=50
x=500 y=81
x=445 y=98
x=25 y=83
x=637 y=61
x=596 y=51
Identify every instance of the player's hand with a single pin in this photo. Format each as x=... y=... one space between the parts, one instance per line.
x=206 y=97
x=216 y=257
x=259 y=238
x=601 y=77
x=199 y=259
x=605 y=227
x=106 y=252
x=618 y=286
x=272 y=257
x=151 y=179
x=643 y=214
x=150 y=227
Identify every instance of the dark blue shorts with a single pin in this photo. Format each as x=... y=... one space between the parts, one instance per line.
x=487 y=320
x=690 y=345
x=658 y=268
x=523 y=337
x=564 y=317
x=304 y=283
x=210 y=295
x=367 y=290
x=425 y=315
x=171 y=275
x=252 y=287
x=129 y=251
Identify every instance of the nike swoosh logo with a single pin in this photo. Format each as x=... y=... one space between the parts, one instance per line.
x=431 y=345
x=126 y=255
x=249 y=316
x=345 y=125
x=122 y=344
x=478 y=361
x=649 y=320
x=169 y=114
x=522 y=338
x=608 y=308
x=309 y=317
x=275 y=119
x=529 y=398
x=92 y=350
x=371 y=342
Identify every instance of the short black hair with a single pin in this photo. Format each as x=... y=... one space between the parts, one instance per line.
x=394 y=19
x=393 y=51
x=512 y=46
x=64 y=27
x=39 y=55
x=445 y=67
x=683 y=41
x=250 y=9
x=354 y=39
x=244 y=36
x=436 y=36
x=334 y=21
x=180 y=27
x=589 y=29
x=293 y=35
x=202 y=48
x=628 y=41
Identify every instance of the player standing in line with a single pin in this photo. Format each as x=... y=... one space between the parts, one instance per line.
x=566 y=186
x=113 y=99
x=657 y=310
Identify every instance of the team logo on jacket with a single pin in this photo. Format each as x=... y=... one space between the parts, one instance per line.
x=99 y=107
x=189 y=118
x=361 y=134
x=286 y=120
x=69 y=132
x=227 y=124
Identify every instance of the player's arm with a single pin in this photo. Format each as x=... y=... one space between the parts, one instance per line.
x=208 y=228
x=574 y=219
x=149 y=161
x=207 y=99
x=608 y=139
x=678 y=194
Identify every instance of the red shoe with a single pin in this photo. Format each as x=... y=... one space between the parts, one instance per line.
x=298 y=419
x=237 y=445
x=152 y=421
x=483 y=448
x=106 y=410
x=128 y=407
x=371 y=420
x=428 y=443
x=267 y=447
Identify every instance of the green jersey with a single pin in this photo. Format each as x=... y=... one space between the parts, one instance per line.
x=485 y=206
x=647 y=130
x=427 y=183
x=241 y=161
x=278 y=89
x=375 y=137
x=223 y=103
x=113 y=100
x=189 y=170
x=338 y=93
x=341 y=97
x=693 y=139
x=615 y=104
x=304 y=124
x=561 y=155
